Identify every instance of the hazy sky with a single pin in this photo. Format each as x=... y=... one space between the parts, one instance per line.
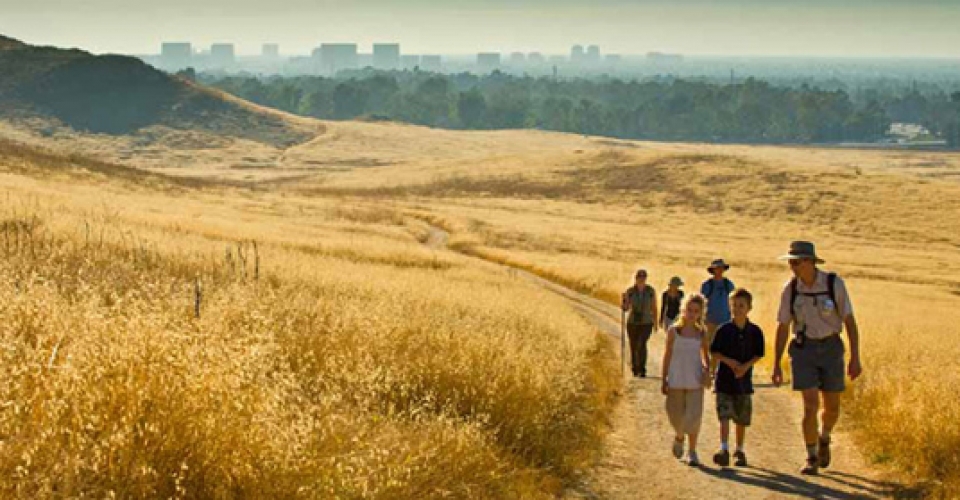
x=706 y=27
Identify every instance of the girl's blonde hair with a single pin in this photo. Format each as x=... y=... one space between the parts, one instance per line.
x=699 y=323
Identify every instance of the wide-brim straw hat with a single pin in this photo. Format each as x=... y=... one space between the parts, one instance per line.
x=718 y=263
x=802 y=250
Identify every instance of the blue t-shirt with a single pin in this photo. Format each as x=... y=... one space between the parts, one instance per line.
x=718 y=299
x=739 y=345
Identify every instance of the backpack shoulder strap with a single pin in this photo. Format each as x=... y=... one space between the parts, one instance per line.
x=793 y=297
x=728 y=285
x=710 y=287
x=832 y=287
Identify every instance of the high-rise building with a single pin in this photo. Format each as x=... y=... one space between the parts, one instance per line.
x=270 y=51
x=518 y=59
x=593 y=54
x=222 y=55
x=535 y=58
x=577 y=54
x=386 y=55
x=175 y=56
x=488 y=61
x=333 y=57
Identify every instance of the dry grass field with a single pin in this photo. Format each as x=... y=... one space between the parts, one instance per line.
x=363 y=364
x=337 y=358
x=588 y=212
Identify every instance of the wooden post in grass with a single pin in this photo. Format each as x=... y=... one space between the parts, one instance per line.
x=256 y=262
x=197 y=297
x=242 y=258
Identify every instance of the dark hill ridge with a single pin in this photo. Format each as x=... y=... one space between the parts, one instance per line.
x=120 y=95
x=9 y=43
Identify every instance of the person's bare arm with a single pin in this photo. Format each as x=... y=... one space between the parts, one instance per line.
x=708 y=367
x=783 y=330
x=853 y=333
x=665 y=366
x=655 y=312
x=720 y=358
x=743 y=368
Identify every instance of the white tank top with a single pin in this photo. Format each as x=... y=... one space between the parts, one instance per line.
x=686 y=365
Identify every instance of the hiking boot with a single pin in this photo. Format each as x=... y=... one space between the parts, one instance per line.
x=812 y=468
x=722 y=458
x=678 y=448
x=741 y=459
x=693 y=460
x=823 y=453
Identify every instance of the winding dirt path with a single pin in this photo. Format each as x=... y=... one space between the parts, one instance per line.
x=637 y=462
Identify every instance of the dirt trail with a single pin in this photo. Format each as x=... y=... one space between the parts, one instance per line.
x=637 y=461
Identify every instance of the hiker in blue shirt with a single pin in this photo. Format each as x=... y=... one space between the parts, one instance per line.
x=717 y=290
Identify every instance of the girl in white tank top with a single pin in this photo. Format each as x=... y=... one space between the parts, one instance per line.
x=686 y=362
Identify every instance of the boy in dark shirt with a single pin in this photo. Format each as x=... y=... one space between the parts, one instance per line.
x=737 y=346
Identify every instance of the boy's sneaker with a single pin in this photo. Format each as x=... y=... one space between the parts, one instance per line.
x=823 y=453
x=693 y=460
x=722 y=458
x=811 y=468
x=678 y=448
x=741 y=459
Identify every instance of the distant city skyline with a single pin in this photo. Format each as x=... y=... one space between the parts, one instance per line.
x=857 y=28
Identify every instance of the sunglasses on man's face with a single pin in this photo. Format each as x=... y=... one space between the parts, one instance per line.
x=796 y=262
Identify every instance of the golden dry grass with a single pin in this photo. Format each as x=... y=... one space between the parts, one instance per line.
x=583 y=211
x=359 y=365
x=894 y=237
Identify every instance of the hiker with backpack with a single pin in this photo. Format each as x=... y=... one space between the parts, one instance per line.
x=717 y=290
x=817 y=306
x=670 y=302
x=641 y=301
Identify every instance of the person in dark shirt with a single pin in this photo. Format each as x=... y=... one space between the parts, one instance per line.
x=737 y=346
x=641 y=301
x=670 y=303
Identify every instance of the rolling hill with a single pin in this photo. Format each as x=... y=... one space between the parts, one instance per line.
x=118 y=108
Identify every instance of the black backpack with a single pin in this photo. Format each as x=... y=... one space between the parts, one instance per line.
x=831 y=291
x=712 y=283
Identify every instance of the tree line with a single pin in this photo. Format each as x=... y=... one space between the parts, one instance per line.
x=670 y=109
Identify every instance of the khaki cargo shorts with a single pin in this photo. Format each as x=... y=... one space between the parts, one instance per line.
x=736 y=407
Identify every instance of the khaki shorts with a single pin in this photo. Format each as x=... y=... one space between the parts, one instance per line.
x=736 y=407
x=818 y=365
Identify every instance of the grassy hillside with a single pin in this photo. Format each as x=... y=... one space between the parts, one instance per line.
x=330 y=355
x=118 y=109
x=120 y=95
x=113 y=252
x=587 y=212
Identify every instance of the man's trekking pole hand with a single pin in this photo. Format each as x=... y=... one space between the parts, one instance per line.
x=854 y=369
x=777 y=375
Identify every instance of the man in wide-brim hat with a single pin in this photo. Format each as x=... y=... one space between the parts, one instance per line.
x=817 y=307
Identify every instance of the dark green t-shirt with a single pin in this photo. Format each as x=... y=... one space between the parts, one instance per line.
x=641 y=305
